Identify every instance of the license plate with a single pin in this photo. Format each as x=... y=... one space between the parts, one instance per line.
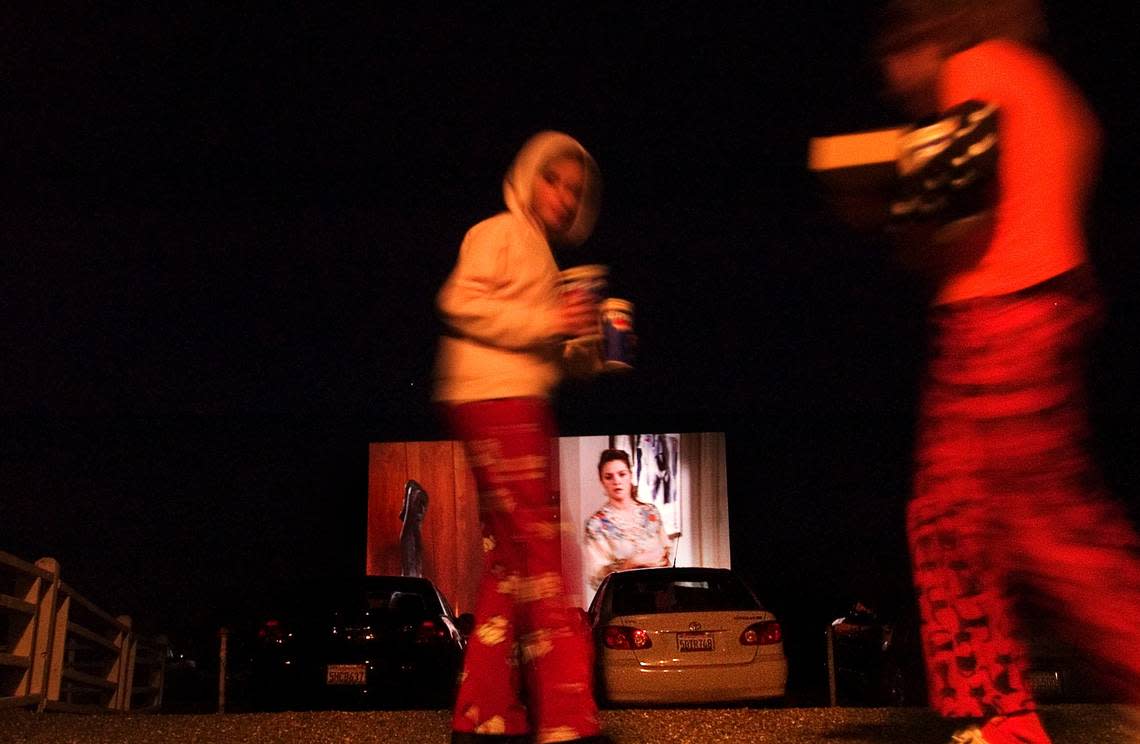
x=346 y=674
x=694 y=642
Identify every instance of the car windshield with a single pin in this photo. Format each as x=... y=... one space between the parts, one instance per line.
x=701 y=593
x=402 y=600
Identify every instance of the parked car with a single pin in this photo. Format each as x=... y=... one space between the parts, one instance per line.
x=878 y=661
x=684 y=635
x=377 y=641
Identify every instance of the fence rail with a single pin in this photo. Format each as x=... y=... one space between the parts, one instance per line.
x=60 y=651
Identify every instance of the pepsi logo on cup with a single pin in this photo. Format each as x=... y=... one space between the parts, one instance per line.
x=617 y=334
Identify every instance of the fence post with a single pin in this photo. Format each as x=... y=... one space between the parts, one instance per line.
x=158 y=677
x=223 y=634
x=24 y=634
x=47 y=664
x=122 y=668
x=831 y=696
x=130 y=657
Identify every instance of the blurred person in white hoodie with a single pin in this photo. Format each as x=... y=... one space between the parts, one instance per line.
x=528 y=669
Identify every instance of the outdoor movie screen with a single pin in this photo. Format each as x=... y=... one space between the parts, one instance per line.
x=423 y=509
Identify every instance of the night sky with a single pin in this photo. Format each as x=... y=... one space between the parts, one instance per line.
x=224 y=229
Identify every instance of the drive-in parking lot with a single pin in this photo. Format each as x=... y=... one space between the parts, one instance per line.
x=1087 y=724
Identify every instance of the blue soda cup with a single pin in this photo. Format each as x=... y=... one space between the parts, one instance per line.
x=617 y=334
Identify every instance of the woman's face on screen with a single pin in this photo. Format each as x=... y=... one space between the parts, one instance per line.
x=616 y=480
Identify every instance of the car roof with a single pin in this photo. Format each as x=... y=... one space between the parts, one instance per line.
x=397 y=582
x=672 y=572
x=316 y=596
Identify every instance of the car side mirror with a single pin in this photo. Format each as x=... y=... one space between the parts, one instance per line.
x=465 y=623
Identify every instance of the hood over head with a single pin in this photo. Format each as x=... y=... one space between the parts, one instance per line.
x=518 y=185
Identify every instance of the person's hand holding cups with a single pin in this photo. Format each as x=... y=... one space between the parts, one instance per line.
x=582 y=290
x=578 y=314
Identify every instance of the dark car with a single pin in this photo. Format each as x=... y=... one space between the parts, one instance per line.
x=377 y=641
x=877 y=660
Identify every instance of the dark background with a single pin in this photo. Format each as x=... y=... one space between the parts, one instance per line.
x=223 y=230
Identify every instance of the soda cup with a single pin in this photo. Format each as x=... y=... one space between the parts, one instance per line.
x=590 y=278
x=617 y=334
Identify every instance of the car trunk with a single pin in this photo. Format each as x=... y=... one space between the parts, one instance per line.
x=694 y=638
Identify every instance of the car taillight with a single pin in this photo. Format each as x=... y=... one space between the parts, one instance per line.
x=761 y=634
x=430 y=631
x=623 y=638
x=273 y=632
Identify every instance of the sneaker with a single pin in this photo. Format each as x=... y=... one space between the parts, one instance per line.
x=1019 y=728
x=463 y=737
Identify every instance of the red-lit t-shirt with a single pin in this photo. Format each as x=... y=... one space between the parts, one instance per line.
x=1049 y=142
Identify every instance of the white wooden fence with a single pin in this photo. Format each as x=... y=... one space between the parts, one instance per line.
x=58 y=651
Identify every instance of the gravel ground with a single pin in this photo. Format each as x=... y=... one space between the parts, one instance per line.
x=1069 y=724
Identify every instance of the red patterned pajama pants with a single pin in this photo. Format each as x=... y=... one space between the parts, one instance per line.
x=529 y=662
x=1006 y=491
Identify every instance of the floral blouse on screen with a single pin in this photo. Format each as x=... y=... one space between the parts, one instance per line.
x=614 y=535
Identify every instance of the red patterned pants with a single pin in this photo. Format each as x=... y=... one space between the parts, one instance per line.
x=1006 y=493
x=529 y=661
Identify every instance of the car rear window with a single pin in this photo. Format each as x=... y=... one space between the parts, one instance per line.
x=402 y=601
x=696 y=594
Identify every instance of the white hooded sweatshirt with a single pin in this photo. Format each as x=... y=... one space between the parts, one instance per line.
x=501 y=302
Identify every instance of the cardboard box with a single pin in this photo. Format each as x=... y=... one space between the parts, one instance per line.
x=857 y=161
x=858 y=176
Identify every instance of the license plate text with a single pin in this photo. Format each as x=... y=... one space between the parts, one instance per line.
x=346 y=674
x=694 y=642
